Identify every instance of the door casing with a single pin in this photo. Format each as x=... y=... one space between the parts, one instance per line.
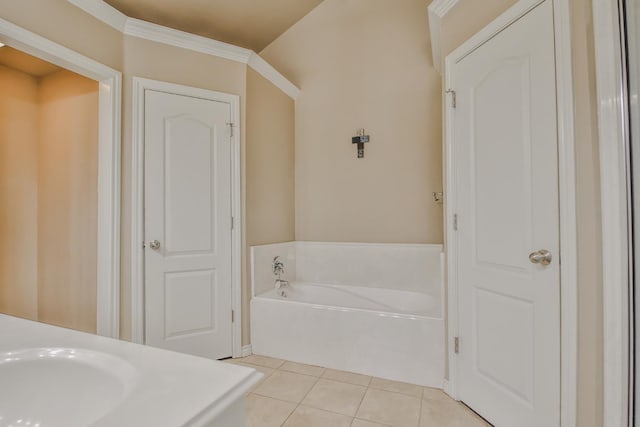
x=567 y=194
x=615 y=204
x=137 y=203
x=109 y=111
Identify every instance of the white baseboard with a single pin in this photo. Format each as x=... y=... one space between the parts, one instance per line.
x=246 y=350
x=446 y=387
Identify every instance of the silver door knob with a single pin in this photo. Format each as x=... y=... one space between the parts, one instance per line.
x=542 y=257
x=154 y=244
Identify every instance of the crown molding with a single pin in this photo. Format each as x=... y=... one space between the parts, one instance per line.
x=169 y=36
x=267 y=71
x=103 y=12
x=437 y=10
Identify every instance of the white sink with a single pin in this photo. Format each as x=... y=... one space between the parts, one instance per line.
x=51 y=387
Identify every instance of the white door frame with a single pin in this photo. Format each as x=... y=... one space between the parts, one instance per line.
x=137 y=203
x=110 y=94
x=567 y=195
x=614 y=160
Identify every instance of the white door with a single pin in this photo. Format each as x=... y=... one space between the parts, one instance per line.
x=507 y=180
x=188 y=224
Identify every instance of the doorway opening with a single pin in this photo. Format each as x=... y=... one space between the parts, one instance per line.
x=80 y=200
x=48 y=192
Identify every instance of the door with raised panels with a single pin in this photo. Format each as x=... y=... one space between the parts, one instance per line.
x=508 y=225
x=187 y=224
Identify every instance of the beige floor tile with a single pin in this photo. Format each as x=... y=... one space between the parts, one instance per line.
x=287 y=386
x=264 y=371
x=451 y=414
x=305 y=416
x=436 y=395
x=266 y=412
x=397 y=387
x=268 y=362
x=346 y=377
x=300 y=368
x=335 y=396
x=362 y=423
x=398 y=410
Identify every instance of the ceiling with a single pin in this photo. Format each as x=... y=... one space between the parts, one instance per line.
x=252 y=24
x=12 y=58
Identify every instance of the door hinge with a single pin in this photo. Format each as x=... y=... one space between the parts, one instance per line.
x=456 y=345
x=455 y=222
x=233 y=223
x=453 y=97
x=233 y=316
x=231 y=126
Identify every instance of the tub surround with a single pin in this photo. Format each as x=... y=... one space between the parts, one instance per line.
x=123 y=384
x=406 y=267
x=365 y=308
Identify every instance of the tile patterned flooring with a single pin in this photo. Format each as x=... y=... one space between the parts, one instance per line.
x=296 y=395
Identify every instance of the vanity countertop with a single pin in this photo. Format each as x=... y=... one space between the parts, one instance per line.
x=155 y=387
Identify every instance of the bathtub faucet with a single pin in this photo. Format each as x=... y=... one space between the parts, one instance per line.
x=277 y=266
x=282 y=286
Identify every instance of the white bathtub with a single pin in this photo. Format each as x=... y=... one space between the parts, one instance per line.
x=389 y=333
x=50 y=376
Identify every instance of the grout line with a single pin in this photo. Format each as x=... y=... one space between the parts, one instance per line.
x=303 y=397
x=399 y=392
x=274 y=398
x=309 y=391
x=318 y=378
x=360 y=404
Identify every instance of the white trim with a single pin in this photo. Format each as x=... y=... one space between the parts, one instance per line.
x=137 y=212
x=568 y=216
x=268 y=72
x=238 y=229
x=446 y=387
x=137 y=203
x=614 y=191
x=108 y=236
x=160 y=34
x=567 y=191
x=246 y=351
x=169 y=36
x=437 y=10
x=103 y=12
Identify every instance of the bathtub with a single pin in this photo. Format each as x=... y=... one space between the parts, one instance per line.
x=393 y=330
x=51 y=376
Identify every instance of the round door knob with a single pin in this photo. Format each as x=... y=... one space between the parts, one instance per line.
x=542 y=257
x=154 y=244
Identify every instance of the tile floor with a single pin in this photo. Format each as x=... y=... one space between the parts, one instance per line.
x=296 y=395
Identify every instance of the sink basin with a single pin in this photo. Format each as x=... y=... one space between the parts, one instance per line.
x=66 y=387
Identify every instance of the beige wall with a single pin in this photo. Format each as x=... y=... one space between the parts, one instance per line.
x=63 y=23
x=67 y=200
x=270 y=170
x=48 y=197
x=461 y=23
x=364 y=64
x=156 y=61
x=467 y=18
x=18 y=193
